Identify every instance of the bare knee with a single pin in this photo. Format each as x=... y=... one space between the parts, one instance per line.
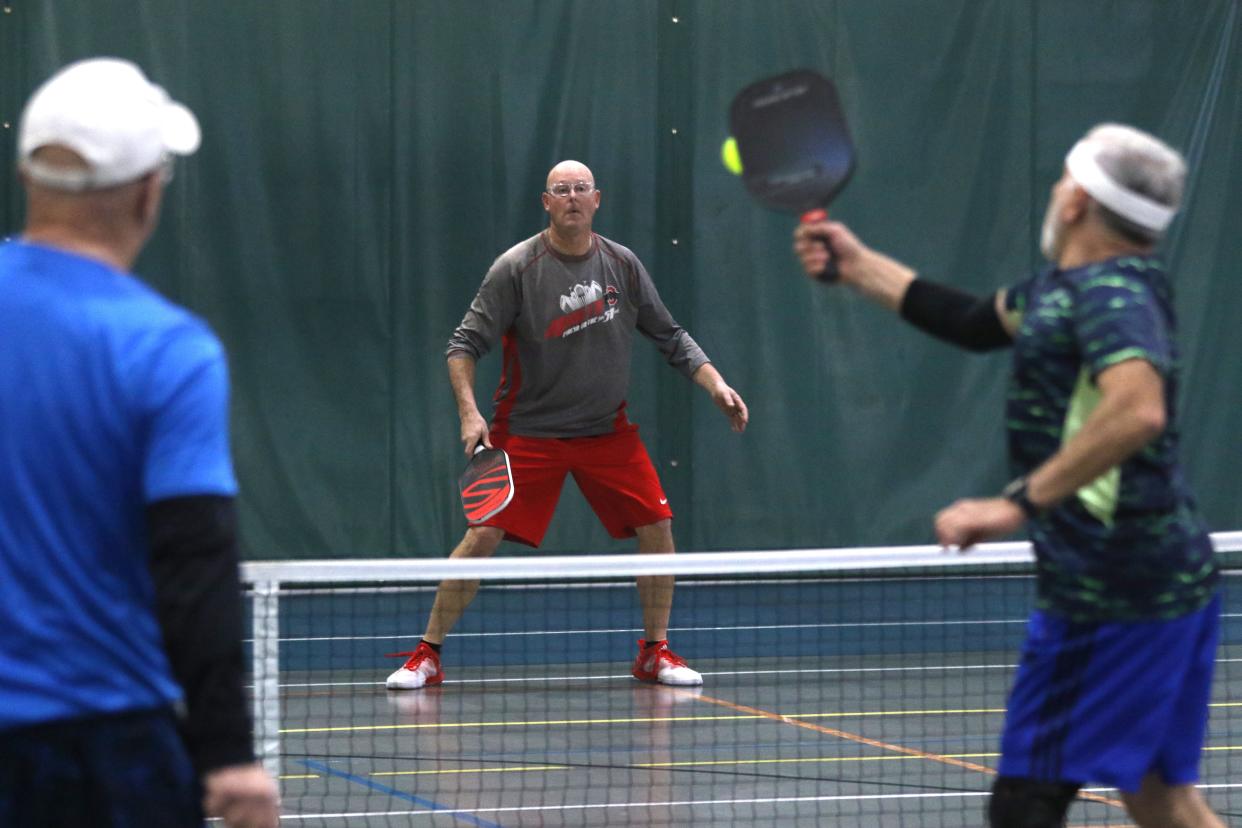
x=1169 y=806
x=655 y=537
x=479 y=542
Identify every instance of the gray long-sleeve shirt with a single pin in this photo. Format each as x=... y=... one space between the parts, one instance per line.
x=567 y=327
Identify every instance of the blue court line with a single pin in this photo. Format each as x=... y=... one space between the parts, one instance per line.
x=417 y=800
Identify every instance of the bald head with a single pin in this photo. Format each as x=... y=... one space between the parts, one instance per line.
x=569 y=171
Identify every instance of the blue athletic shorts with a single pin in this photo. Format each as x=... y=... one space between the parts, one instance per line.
x=122 y=771
x=1111 y=702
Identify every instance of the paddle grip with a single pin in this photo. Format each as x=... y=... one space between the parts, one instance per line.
x=829 y=273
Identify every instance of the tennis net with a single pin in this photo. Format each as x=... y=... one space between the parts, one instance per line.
x=841 y=687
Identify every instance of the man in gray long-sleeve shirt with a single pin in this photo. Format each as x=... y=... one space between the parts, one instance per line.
x=565 y=303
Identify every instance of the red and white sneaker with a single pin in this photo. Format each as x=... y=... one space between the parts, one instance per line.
x=660 y=664
x=421 y=669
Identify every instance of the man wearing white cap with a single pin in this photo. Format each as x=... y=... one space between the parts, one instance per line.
x=1116 y=671
x=121 y=700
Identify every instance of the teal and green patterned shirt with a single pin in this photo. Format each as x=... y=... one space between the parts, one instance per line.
x=1129 y=545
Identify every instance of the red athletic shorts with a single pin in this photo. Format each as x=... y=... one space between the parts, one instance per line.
x=613 y=471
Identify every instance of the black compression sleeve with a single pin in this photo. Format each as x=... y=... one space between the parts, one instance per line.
x=198 y=603
x=954 y=316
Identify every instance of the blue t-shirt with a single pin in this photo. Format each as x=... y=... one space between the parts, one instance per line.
x=1129 y=545
x=111 y=398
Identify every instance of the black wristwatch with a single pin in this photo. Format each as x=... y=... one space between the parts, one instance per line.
x=1015 y=492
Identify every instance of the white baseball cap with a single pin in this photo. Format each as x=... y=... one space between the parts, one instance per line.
x=105 y=110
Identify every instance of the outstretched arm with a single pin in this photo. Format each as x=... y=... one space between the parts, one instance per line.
x=878 y=277
x=725 y=398
x=971 y=322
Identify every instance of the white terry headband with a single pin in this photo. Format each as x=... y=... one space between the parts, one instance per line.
x=1139 y=209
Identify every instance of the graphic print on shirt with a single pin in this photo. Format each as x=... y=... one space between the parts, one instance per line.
x=583 y=306
x=581 y=296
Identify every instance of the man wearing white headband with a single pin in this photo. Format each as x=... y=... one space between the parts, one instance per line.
x=1116 y=673
x=121 y=686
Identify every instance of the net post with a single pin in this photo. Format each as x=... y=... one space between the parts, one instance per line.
x=265 y=668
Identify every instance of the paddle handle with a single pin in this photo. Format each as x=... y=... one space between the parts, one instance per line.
x=829 y=273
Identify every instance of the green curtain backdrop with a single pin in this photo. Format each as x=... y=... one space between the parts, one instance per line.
x=363 y=163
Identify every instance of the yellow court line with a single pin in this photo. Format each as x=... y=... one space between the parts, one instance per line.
x=842 y=734
x=852 y=714
x=467 y=771
x=514 y=723
x=863 y=740
x=299 y=776
x=682 y=764
x=863 y=714
x=689 y=763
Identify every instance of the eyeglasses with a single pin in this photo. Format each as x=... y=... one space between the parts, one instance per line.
x=563 y=189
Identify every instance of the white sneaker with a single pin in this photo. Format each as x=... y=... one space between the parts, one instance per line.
x=421 y=669
x=660 y=664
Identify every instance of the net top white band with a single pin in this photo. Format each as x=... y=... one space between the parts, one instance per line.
x=544 y=568
x=1139 y=209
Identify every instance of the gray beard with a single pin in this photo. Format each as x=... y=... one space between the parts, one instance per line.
x=1050 y=234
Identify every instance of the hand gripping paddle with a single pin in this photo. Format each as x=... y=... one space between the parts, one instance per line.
x=486 y=484
x=794 y=145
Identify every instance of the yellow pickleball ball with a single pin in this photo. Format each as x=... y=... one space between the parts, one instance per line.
x=730 y=157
